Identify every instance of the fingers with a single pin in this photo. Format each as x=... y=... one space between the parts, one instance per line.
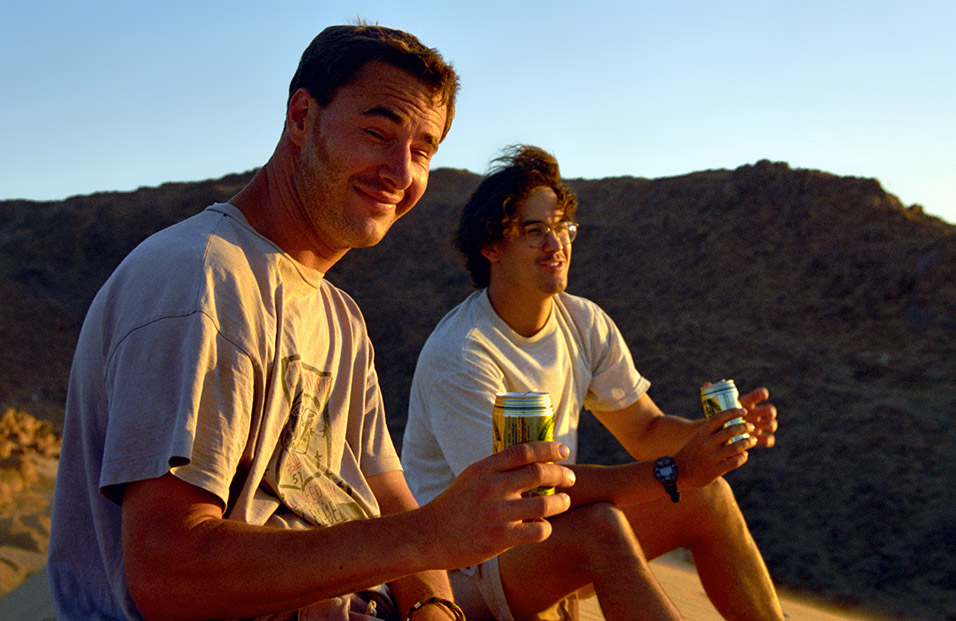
x=485 y=506
x=735 y=460
x=534 y=508
x=529 y=452
x=724 y=437
x=755 y=396
x=762 y=415
x=531 y=465
x=722 y=418
x=529 y=531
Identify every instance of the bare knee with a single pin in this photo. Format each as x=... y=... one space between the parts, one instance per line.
x=720 y=497
x=601 y=527
x=715 y=507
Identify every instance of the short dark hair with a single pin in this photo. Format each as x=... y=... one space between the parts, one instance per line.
x=338 y=53
x=490 y=214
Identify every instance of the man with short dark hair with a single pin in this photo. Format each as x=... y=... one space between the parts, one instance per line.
x=522 y=332
x=225 y=450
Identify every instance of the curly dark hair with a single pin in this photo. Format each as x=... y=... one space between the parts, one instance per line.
x=490 y=214
x=338 y=53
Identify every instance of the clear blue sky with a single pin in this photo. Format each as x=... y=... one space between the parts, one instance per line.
x=111 y=95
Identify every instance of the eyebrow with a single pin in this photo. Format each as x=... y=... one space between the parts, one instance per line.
x=393 y=116
x=561 y=220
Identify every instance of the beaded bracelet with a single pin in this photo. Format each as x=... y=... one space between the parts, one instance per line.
x=452 y=607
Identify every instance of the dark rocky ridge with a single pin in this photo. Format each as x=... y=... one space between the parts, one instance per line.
x=825 y=289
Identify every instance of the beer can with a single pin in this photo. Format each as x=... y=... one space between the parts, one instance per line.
x=523 y=417
x=722 y=396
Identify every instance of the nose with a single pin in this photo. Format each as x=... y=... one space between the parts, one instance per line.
x=397 y=167
x=552 y=241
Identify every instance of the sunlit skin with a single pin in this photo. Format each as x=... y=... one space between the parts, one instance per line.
x=523 y=277
x=346 y=171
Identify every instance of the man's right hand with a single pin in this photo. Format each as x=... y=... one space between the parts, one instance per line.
x=707 y=455
x=483 y=512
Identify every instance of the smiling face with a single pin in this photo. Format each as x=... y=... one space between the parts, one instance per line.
x=521 y=272
x=364 y=162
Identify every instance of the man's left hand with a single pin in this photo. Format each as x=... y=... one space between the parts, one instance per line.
x=761 y=415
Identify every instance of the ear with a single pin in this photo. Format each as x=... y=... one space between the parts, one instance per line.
x=491 y=253
x=298 y=116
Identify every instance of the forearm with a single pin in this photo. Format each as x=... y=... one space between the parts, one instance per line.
x=412 y=589
x=664 y=435
x=645 y=432
x=214 y=568
x=183 y=560
x=703 y=457
x=393 y=495
x=622 y=485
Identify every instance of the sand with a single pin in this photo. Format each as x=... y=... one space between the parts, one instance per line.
x=31 y=601
x=679 y=579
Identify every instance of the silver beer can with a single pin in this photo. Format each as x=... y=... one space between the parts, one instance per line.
x=722 y=396
x=523 y=417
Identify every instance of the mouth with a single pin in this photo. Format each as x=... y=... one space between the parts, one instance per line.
x=553 y=263
x=381 y=201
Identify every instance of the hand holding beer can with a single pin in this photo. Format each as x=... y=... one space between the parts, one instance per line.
x=523 y=417
x=719 y=397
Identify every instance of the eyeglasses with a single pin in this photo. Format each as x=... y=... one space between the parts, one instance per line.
x=538 y=233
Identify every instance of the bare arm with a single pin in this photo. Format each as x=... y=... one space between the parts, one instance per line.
x=703 y=458
x=184 y=560
x=697 y=446
x=647 y=433
x=393 y=495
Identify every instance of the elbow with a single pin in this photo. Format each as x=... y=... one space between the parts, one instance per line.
x=150 y=591
x=157 y=583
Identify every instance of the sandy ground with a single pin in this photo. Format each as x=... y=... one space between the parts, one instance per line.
x=31 y=602
x=679 y=579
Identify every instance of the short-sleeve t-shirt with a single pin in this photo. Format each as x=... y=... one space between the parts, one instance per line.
x=213 y=355
x=579 y=357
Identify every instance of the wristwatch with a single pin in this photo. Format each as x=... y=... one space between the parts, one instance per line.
x=666 y=472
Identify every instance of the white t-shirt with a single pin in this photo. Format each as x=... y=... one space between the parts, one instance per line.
x=211 y=354
x=579 y=357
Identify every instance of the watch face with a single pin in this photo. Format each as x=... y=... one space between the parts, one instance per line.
x=665 y=469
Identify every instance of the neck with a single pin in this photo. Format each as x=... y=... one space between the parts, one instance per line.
x=269 y=203
x=525 y=314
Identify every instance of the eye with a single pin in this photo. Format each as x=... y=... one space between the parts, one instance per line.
x=536 y=230
x=422 y=154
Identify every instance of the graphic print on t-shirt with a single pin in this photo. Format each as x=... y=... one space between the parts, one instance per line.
x=301 y=473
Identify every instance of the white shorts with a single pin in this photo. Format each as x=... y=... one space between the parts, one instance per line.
x=479 y=592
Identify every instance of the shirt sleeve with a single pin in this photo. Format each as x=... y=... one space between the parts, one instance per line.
x=378 y=450
x=180 y=400
x=615 y=382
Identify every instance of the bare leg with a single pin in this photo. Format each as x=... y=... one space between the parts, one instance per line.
x=593 y=544
x=709 y=522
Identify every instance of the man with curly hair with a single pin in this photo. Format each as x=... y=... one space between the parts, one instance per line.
x=520 y=331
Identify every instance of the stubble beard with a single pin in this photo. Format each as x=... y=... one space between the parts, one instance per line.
x=325 y=191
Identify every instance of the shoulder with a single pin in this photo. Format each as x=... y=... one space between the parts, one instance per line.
x=212 y=239
x=459 y=327
x=212 y=264
x=340 y=302
x=579 y=310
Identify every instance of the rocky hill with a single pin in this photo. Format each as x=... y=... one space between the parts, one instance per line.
x=825 y=289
